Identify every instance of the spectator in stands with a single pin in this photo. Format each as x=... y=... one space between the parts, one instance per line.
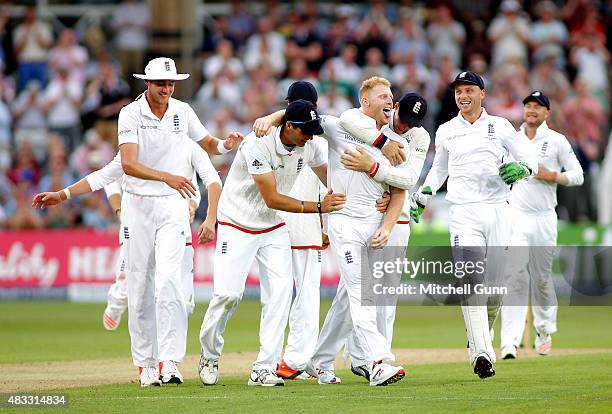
x=260 y=94
x=96 y=212
x=131 y=22
x=444 y=97
x=69 y=55
x=343 y=68
x=7 y=202
x=341 y=31
x=505 y=103
x=92 y=154
x=222 y=61
x=298 y=70
x=332 y=101
x=105 y=96
x=509 y=34
x=6 y=120
x=446 y=35
x=374 y=64
x=584 y=115
x=32 y=40
x=549 y=32
x=549 y=79
x=25 y=169
x=239 y=24
x=224 y=89
x=478 y=43
x=30 y=119
x=591 y=59
x=6 y=44
x=587 y=24
x=410 y=75
x=62 y=99
x=58 y=176
x=266 y=46
x=24 y=217
x=374 y=32
x=305 y=44
x=409 y=40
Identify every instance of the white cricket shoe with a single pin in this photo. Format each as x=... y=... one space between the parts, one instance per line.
x=385 y=374
x=509 y=352
x=326 y=377
x=543 y=344
x=169 y=373
x=265 y=378
x=111 y=319
x=149 y=376
x=208 y=370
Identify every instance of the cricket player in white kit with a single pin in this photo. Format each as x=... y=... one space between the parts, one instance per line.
x=354 y=232
x=191 y=157
x=534 y=224
x=405 y=125
x=153 y=136
x=263 y=172
x=470 y=151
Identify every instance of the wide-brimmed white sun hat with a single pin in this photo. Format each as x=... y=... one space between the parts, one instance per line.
x=162 y=68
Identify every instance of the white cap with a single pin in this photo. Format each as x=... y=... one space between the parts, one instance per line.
x=510 y=6
x=162 y=68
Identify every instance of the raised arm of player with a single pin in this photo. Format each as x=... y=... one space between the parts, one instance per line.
x=405 y=175
x=364 y=128
x=262 y=125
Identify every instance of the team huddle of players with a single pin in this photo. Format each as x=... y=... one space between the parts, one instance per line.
x=301 y=180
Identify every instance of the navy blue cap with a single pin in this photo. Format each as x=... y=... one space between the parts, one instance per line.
x=412 y=109
x=302 y=90
x=303 y=114
x=539 y=97
x=468 y=77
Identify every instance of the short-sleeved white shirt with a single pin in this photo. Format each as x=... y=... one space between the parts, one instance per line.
x=159 y=141
x=241 y=203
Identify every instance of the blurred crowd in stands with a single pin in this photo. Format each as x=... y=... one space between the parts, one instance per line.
x=61 y=90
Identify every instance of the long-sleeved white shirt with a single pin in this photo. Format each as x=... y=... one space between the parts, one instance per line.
x=415 y=141
x=361 y=191
x=470 y=156
x=556 y=154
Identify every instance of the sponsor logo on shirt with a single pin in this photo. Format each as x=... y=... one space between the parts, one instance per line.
x=349 y=137
x=124 y=131
x=148 y=127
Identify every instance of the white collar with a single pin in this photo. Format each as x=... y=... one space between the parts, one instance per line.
x=483 y=117
x=541 y=131
x=145 y=109
x=280 y=147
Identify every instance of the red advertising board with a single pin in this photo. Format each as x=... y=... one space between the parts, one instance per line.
x=57 y=259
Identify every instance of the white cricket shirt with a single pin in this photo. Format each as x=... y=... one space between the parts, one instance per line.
x=241 y=204
x=470 y=156
x=555 y=153
x=159 y=141
x=361 y=191
x=416 y=144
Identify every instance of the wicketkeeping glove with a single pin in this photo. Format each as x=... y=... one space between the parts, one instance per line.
x=511 y=172
x=418 y=201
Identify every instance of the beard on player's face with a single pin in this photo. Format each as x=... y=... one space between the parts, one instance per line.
x=534 y=114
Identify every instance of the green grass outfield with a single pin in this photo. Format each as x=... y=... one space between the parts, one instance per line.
x=60 y=331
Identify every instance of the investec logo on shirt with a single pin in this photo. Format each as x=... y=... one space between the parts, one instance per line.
x=349 y=137
x=148 y=127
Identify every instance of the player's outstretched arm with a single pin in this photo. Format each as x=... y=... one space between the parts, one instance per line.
x=51 y=198
x=266 y=183
x=215 y=146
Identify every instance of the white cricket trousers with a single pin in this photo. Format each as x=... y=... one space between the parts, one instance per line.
x=234 y=254
x=486 y=228
x=154 y=241
x=350 y=240
x=117 y=297
x=304 y=314
x=385 y=315
x=531 y=273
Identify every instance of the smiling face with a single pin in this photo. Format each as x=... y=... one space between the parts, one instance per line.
x=160 y=91
x=377 y=103
x=468 y=98
x=534 y=114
